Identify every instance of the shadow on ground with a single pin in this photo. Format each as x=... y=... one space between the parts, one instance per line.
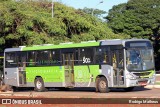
x=136 y=89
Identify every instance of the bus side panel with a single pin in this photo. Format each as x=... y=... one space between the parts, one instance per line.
x=52 y=76
x=107 y=71
x=11 y=76
x=85 y=75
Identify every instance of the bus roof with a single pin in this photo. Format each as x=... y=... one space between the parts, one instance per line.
x=119 y=41
x=62 y=45
x=73 y=45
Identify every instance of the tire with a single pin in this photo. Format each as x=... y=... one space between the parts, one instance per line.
x=102 y=85
x=128 y=89
x=97 y=79
x=39 y=84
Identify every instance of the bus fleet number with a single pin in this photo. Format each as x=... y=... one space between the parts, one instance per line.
x=86 y=60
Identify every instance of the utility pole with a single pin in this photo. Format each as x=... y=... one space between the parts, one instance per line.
x=96 y=6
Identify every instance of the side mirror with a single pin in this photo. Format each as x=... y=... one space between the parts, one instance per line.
x=125 y=48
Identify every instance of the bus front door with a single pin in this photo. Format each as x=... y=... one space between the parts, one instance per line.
x=68 y=62
x=118 y=68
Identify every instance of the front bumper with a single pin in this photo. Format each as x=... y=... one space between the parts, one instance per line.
x=140 y=82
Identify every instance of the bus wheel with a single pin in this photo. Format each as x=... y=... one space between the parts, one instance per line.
x=128 y=89
x=39 y=84
x=103 y=85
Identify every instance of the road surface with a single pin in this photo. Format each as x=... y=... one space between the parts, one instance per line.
x=138 y=92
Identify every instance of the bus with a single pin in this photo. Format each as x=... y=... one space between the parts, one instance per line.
x=103 y=64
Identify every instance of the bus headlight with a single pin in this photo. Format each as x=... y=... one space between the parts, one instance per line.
x=129 y=76
x=153 y=76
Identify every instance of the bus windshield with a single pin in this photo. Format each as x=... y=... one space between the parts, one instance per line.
x=139 y=59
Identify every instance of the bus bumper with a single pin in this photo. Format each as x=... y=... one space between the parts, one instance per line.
x=140 y=82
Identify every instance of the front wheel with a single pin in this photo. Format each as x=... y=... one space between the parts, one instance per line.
x=39 y=84
x=102 y=85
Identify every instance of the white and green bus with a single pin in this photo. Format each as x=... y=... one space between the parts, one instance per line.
x=103 y=64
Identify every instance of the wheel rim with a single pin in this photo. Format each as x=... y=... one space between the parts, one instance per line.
x=39 y=84
x=102 y=84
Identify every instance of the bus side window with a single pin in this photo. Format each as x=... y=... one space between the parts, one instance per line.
x=101 y=55
x=10 y=60
x=42 y=58
x=86 y=56
x=106 y=59
x=105 y=54
x=55 y=57
x=31 y=58
x=76 y=57
x=98 y=56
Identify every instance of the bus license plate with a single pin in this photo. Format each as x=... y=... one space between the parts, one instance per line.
x=142 y=83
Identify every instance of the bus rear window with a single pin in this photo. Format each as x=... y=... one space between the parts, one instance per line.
x=10 y=60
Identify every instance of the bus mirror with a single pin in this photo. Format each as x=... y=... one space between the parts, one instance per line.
x=125 y=48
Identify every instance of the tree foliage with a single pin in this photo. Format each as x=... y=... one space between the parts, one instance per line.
x=95 y=12
x=140 y=19
x=24 y=22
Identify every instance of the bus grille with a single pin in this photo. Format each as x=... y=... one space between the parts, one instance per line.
x=142 y=74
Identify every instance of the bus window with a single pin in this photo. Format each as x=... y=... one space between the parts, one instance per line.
x=43 y=58
x=99 y=58
x=21 y=59
x=11 y=60
x=105 y=55
x=86 y=55
x=31 y=58
x=55 y=57
x=101 y=55
x=76 y=57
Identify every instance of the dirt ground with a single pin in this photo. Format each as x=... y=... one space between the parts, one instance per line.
x=138 y=93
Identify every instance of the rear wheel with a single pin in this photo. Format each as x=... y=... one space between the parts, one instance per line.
x=102 y=85
x=128 y=89
x=39 y=84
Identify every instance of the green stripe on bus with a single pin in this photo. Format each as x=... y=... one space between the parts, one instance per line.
x=74 y=45
x=82 y=73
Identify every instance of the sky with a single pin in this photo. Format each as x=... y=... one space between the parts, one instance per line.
x=106 y=5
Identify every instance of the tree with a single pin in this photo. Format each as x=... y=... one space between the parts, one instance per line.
x=96 y=12
x=26 y=22
x=138 y=18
